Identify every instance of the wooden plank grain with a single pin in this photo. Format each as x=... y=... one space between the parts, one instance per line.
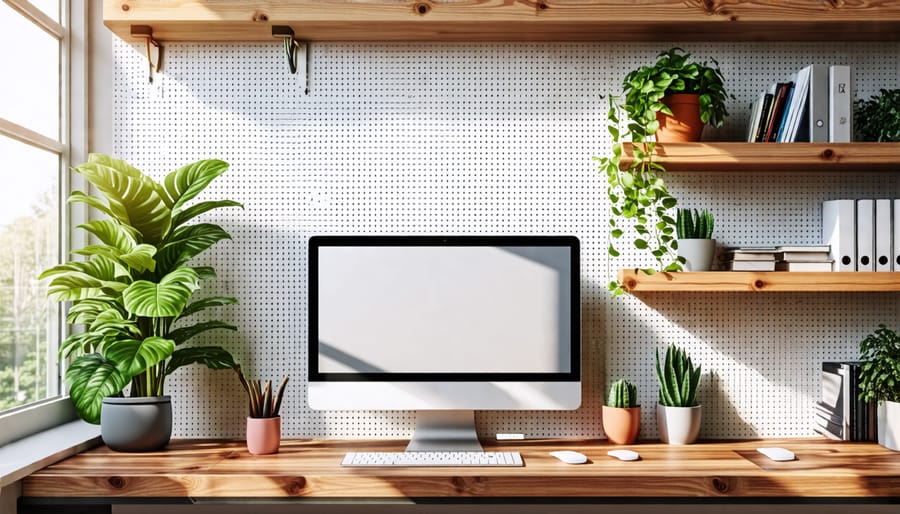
x=311 y=469
x=505 y=20
x=635 y=281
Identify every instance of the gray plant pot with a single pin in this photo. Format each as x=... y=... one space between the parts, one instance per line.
x=698 y=253
x=141 y=424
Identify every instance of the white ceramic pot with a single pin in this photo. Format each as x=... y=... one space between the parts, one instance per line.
x=698 y=253
x=678 y=425
x=889 y=425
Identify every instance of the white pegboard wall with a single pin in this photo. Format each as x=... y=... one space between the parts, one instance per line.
x=483 y=139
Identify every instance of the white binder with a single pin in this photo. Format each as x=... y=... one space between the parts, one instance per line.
x=839 y=231
x=895 y=251
x=840 y=103
x=865 y=235
x=883 y=234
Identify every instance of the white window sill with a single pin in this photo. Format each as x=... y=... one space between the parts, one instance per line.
x=25 y=456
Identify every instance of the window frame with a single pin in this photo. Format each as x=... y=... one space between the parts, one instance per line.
x=73 y=33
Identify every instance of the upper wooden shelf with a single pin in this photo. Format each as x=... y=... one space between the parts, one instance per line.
x=771 y=281
x=508 y=20
x=782 y=157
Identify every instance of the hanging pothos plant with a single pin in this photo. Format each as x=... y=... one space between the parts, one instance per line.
x=637 y=194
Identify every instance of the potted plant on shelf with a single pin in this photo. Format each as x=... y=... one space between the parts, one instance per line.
x=678 y=413
x=133 y=297
x=696 y=247
x=639 y=199
x=263 y=420
x=621 y=416
x=680 y=95
x=878 y=118
x=879 y=378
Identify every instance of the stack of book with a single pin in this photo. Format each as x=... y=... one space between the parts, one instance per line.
x=779 y=258
x=750 y=258
x=803 y=258
x=813 y=105
x=841 y=415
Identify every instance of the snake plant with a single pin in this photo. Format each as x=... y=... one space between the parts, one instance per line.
x=694 y=225
x=678 y=378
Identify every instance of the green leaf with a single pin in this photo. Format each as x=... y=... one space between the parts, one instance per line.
x=187 y=182
x=112 y=233
x=93 y=201
x=134 y=199
x=187 y=242
x=92 y=378
x=140 y=258
x=133 y=357
x=183 y=334
x=168 y=298
x=200 y=305
x=213 y=357
x=195 y=210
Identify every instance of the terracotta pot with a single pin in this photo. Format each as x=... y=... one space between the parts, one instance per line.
x=684 y=125
x=621 y=424
x=263 y=435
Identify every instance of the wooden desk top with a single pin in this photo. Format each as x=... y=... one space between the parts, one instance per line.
x=311 y=469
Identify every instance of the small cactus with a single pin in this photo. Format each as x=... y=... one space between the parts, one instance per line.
x=696 y=225
x=622 y=394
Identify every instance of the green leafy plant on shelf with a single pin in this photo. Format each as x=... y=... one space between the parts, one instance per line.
x=622 y=394
x=679 y=380
x=638 y=197
x=132 y=296
x=675 y=73
x=694 y=224
x=878 y=118
x=264 y=402
x=880 y=369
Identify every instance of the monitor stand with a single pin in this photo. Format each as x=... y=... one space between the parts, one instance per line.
x=443 y=430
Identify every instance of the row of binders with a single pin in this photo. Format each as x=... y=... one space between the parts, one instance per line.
x=814 y=105
x=864 y=234
x=840 y=414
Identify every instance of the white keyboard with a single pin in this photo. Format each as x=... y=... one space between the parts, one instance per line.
x=432 y=459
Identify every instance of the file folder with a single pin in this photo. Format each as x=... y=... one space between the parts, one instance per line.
x=895 y=250
x=840 y=108
x=839 y=231
x=883 y=235
x=818 y=104
x=865 y=235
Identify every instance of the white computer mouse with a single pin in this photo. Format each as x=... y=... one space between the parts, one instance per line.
x=570 y=457
x=777 y=454
x=624 y=454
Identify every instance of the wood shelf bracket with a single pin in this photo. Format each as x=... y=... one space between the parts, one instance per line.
x=291 y=46
x=154 y=49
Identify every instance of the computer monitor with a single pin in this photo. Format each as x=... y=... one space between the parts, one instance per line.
x=444 y=325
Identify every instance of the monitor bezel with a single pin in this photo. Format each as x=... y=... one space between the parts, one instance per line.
x=319 y=241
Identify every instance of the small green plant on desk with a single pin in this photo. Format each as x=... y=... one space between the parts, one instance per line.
x=880 y=369
x=679 y=380
x=622 y=394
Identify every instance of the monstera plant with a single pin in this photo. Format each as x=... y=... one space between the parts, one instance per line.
x=132 y=291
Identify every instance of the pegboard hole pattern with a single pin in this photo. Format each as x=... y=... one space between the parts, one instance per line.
x=421 y=138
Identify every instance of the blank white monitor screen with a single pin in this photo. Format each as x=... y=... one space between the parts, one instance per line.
x=469 y=313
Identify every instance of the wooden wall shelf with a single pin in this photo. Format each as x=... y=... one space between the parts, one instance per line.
x=771 y=281
x=504 y=20
x=779 y=157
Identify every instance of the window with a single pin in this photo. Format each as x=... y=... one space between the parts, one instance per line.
x=35 y=145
